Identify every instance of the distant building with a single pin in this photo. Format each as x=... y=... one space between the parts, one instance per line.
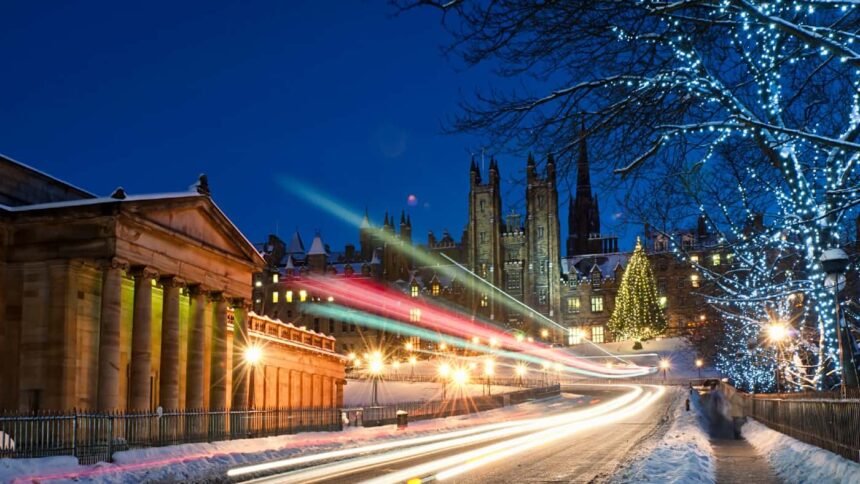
x=131 y=302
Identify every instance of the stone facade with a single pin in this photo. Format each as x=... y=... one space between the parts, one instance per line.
x=124 y=302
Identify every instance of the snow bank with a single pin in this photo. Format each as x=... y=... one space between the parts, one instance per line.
x=797 y=462
x=11 y=469
x=682 y=455
x=359 y=393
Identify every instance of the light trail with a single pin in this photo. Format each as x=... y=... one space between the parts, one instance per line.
x=516 y=437
x=455 y=328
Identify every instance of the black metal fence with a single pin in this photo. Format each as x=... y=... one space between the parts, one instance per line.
x=817 y=418
x=93 y=437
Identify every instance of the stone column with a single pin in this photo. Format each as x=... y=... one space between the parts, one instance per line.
x=109 y=329
x=194 y=385
x=240 y=343
x=218 y=370
x=141 y=340
x=169 y=383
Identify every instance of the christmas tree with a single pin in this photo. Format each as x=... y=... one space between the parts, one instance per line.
x=637 y=314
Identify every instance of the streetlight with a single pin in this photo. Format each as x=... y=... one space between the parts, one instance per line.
x=699 y=364
x=521 y=372
x=253 y=355
x=408 y=346
x=375 y=369
x=544 y=333
x=546 y=366
x=489 y=369
x=396 y=365
x=444 y=371
x=777 y=332
x=664 y=365
x=519 y=337
x=412 y=361
x=835 y=262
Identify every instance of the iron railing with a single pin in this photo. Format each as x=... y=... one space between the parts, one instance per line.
x=821 y=419
x=93 y=437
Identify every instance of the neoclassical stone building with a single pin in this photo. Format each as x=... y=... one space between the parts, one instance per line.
x=133 y=302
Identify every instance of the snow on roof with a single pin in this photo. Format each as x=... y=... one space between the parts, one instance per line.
x=100 y=200
x=376 y=258
x=580 y=266
x=317 y=246
x=365 y=222
x=296 y=245
x=42 y=173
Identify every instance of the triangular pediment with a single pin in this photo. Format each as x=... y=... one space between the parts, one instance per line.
x=200 y=221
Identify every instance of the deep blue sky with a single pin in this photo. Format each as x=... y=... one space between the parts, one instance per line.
x=341 y=95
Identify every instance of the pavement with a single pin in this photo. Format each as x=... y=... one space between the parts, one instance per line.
x=739 y=462
x=590 y=453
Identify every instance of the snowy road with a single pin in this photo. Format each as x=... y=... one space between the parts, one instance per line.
x=579 y=442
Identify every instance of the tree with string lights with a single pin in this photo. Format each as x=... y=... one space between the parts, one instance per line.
x=740 y=106
x=638 y=314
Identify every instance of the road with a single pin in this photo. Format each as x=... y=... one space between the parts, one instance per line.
x=582 y=441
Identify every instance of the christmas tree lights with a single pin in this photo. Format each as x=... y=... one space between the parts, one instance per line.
x=638 y=314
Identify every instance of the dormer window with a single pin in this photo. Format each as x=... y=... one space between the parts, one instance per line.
x=413 y=291
x=596 y=279
x=274 y=278
x=436 y=289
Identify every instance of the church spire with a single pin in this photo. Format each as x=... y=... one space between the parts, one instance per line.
x=583 y=178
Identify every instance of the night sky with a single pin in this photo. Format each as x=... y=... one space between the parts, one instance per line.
x=339 y=95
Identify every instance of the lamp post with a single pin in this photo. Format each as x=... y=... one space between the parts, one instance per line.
x=545 y=376
x=444 y=371
x=489 y=368
x=412 y=361
x=777 y=332
x=253 y=355
x=521 y=372
x=835 y=262
x=664 y=365
x=375 y=368
x=699 y=364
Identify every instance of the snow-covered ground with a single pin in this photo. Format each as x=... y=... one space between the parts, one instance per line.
x=682 y=455
x=797 y=462
x=210 y=461
x=359 y=393
x=677 y=351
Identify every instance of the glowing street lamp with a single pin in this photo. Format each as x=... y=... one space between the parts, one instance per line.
x=777 y=333
x=519 y=337
x=699 y=364
x=444 y=371
x=521 y=371
x=489 y=369
x=375 y=368
x=412 y=361
x=544 y=333
x=252 y=355
x=460 y=377
x=664 y=365
x=408 y=346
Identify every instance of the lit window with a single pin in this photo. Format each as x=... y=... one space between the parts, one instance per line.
x=289 y=296
x=573 y=305
x=436 y=289
x=596 y=279
x=258 y=283
x=597 y=334
x=596 y=304
x=275 y=278
x=730 y=258
x=694 y=259
x=414 y=290
x=415 y=315
x=694 y=280
x=662 y=302
x=715 y=260
x=303 y=295
x=485 y=301
x=274 y=296
x=574 y=336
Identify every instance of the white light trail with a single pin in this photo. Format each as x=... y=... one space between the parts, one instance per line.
x=536 y=430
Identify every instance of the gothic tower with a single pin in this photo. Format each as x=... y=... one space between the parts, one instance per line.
x=583 y=215
x=484 y=247
x=542 y=285
x=365 y=238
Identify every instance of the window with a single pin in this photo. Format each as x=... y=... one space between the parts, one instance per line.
x=660 y=245
x=694 y=259
x=596 y=279
x=662 y=301
x=482 y=237
x=484 y=270
x=317 y=325
x=274 y=296
x=597 y=334
x=694 y=280
x=574 y=336
x=715 y=260
x=330 y=326
x=573 y=305
x=485 y=301
x=482 y=204
x=687 y=243
x=258 y=283
x=413 y=290
x=541 y=295
x=275 y=278
x=662 y=285
x=289 y=296
x=730 y=258
x=415 y=315
x=596 y=304
x=514 y=280
x=540 y=233
x=435 y=289
x=303 y=295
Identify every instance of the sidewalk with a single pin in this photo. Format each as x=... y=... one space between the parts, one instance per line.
x=738 y=462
